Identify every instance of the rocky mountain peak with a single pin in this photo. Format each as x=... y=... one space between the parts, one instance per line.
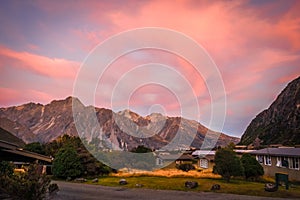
x=280 y=123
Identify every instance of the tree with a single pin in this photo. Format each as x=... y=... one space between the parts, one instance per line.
x=35 y=147
x=90 y=164
x=252 y=168
x=227 y=164
x=141 y=149
x=67 y=163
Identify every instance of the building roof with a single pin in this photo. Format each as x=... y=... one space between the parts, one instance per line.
x=242 y=151
x=203 y=153
x=208 y=157
x=14 y=149
x=294 y=152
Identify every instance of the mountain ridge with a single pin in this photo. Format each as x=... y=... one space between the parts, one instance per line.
x=43 y=123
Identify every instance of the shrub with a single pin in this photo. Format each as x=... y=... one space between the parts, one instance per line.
x=185 y=167
x=26 y=186
x=6 y=169
x=252 y=168
x=227 y=164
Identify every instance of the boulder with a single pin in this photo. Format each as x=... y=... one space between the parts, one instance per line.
x=270 y=187
x=139 y=185
x=81 y=180
x=191 y=184
x=95 y=180
x=123 y=182
x=215 y=187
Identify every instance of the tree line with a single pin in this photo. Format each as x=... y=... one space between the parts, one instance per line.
x=71 y=158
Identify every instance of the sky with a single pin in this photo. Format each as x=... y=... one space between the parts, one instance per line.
x=255 y=46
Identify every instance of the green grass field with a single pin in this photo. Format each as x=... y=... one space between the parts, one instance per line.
x=177 y=183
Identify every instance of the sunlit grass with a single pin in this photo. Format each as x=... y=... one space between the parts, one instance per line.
x=169 y=173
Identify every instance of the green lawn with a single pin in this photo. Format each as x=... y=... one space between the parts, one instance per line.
x=234 y=187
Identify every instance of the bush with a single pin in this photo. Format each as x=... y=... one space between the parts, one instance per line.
x=67 y=163
x=252 y=168
x=185 y=167
x=227 y=164
x=26 y=186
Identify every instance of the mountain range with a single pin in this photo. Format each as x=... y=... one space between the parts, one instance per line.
x=34 y=122
x=280 y=123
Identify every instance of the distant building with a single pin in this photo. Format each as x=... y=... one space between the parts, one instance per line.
x=279 y=160
x=171 y=160
x=205 y=158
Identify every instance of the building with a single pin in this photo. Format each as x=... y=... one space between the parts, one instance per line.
x=279 y=160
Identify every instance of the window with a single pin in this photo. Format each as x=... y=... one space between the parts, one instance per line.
x=178 y=162
x=282 y=162
x=268 y=160
x=204 y=163
x=159 y=161
x=279 y=162
x=260 y=159
x=294 y=163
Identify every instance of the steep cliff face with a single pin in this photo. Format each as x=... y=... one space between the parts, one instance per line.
x=280 y=123
x=125 y=129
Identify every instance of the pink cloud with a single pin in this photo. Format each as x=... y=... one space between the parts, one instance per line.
x=11 y=96
x=8 y=96
x=52 y=67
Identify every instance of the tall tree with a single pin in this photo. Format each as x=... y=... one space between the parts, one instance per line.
x=67 y=163
x=227 y=164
